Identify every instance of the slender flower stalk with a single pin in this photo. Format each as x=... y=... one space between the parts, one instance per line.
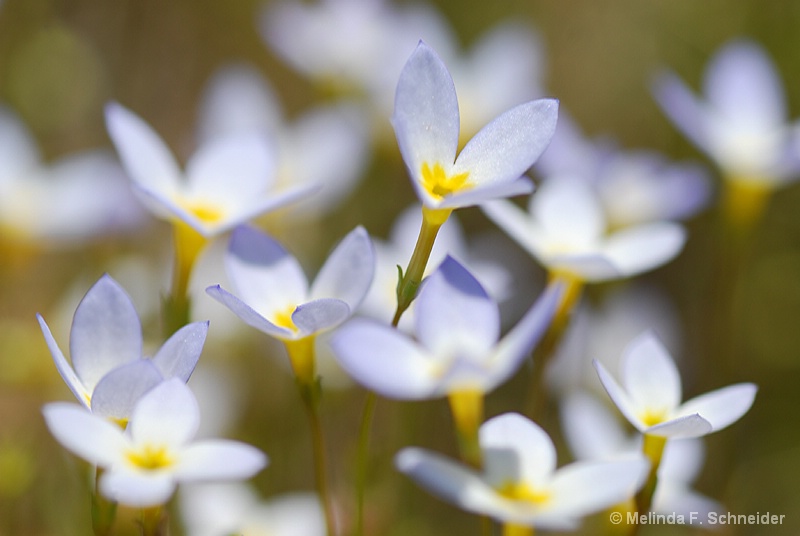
x=512 y=529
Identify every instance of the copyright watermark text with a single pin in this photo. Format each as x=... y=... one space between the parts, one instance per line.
x=697 y=518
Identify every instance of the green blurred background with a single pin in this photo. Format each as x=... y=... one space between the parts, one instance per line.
x=61 y=61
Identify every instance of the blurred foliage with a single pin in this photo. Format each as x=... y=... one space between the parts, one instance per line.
x=61 y=60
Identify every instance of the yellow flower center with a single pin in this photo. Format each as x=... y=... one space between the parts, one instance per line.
x=205 y=212
x=150 y=458
x=283 y=319
x=439 y=184
x=519 y=491
x=652 y=417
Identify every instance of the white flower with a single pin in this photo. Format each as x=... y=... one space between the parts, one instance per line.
x=520 y=483
x=427 y=125
x=741 y=120
x=227 y=181
x=75 y=198
x=109 y=373
x=275 y=295
x=566 y=231
x=225 y=509
x=594 y=434
x=457 y=348
x=650 y=395
x=144 y=463
x=326 y=147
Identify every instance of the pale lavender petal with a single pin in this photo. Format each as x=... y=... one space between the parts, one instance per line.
x=590 y=267
x=684 y=109
x=320 y=315
x=650 y=376
x=620 y=398
x=247 y=314
x=475 y=196
x=682 y=427
x=583 y=488
x=106 y=332
x=723 y=406
x=219 y=459
x=348 y=272
x=179 y=355
x=91 y=437
x=137 y=489
x=508 y=146
x=590 y=430
x=384 y=360
x=117 y=392
x=516 y=223
x=64 y=368
x=167 y=415
x=450 y=481
x=453 y=312
x=263 y=273
x=426 y=120
x=645 y=247
x=569 y=212
x=143 y=153
x=516 y=449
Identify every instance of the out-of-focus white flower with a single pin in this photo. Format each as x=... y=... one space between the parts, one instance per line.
x=427 y=125
x=740 y=122
x=326 y=147
x=457 y=348
x=144 y=463
x=381 y=299
x=650 y=395
x=633 y=186
x=520 y=483
x=566 y=231
x=594 y=434
x=225 y=509
x=227 y=181
x=109 y=373
x=73 y=199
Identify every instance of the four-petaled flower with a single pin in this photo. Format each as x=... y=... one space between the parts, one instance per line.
x=144 y=463
x=426 y=122
x=109 y=372
x=650 y=395
x=520 y=484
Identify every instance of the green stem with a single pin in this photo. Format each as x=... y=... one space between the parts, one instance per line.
x=653 y=449
x=301 y=355
x=154 y=521
x=361 y=460
x=103 y=511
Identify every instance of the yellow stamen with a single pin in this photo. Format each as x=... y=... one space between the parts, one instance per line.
x=150 y=458
x=519 y=491
x=439 y=185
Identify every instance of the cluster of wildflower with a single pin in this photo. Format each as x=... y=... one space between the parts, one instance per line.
x=598 y=214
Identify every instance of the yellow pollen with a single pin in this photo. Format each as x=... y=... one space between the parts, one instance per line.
x=518 y=491
x=205 y=212
x=653 y=417
x=150 y=458
x=283 y=319
x=439 y=185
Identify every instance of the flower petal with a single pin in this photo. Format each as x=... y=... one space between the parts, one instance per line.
x=454 y=312
x=263 y=273
x=348 y=271
x=106 y=332
x=385 y=361
x=118 y=391
x=683 y=108
x=644 y=247
x=167 y=415
x=650 y=376
x=67 y=373
x=723 y=406
x=508 y=146
x=450 y=481
x=137 y=489
x=619 y=396
x=219 y=459
x=247 y=314
x=474 y=196
x=569 y=212
x=516 y=223
x=426 y=120
x=682 y=427
x=91 y=437
x=320 y=315
x=516 y=449
x=143 y=153
x=179 y=355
